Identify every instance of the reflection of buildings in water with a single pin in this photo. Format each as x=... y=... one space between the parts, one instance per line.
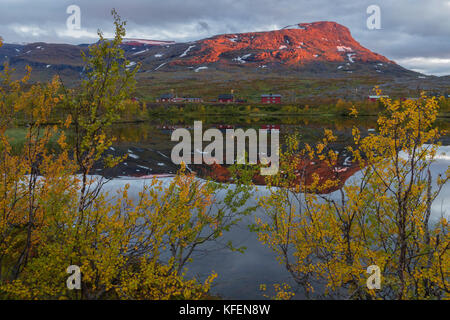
x=305 y=172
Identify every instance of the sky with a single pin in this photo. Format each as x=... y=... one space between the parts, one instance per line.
x=414 y=33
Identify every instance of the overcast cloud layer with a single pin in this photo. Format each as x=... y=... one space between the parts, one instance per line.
x=414 y=33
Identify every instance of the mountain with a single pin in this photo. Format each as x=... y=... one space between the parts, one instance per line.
x=319 y=48
x=297 y=45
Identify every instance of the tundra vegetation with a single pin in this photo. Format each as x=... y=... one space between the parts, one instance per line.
x=384 y=218
x=54 y=213
x=321 y=108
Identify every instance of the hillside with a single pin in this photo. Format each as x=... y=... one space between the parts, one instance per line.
x=319 y=51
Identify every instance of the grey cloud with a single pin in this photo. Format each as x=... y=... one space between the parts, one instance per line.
x=203 y=26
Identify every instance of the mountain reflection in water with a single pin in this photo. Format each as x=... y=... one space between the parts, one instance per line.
x=149 y=148
x=239 y=274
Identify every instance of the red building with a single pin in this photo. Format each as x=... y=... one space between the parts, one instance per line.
x=271 y=98
x=226 y=98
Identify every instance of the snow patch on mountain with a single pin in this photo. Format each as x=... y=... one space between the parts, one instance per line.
x=294 y=26
x=343 y=48
x=242 y=59
x=350 y=57
x=200 y=68
x=140 y=52
x=160 y=66
x=186 y=52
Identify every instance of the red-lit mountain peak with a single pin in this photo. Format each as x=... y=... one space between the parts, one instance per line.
x=293 y=45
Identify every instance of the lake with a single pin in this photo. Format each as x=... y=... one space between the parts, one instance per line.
x=148 y=147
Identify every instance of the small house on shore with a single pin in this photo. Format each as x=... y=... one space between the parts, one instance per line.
x=167 y=97
x=226 y=98
x=271 y=98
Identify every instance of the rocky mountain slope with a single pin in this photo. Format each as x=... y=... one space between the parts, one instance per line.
x=319 y=48
x=294 y=45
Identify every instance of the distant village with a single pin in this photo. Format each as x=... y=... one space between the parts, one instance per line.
x=264 y=98
x=222 y=98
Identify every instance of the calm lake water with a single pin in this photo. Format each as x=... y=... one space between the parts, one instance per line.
x=240 y=275
x=149 y=146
